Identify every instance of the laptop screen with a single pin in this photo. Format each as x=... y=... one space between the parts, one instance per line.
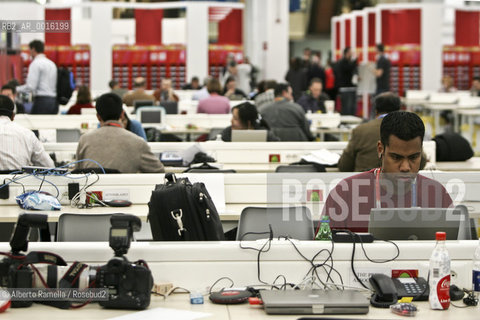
x=249 y=135
x=419 y=223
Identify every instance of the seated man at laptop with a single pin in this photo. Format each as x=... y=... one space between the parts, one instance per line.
x=396 y=184
x=114 y=147
x=245 y=117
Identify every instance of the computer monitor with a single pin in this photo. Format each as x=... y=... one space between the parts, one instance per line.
x=142 y=103
x=419 y=223
x=171 y=107
x=151 y=116
x=249 y=135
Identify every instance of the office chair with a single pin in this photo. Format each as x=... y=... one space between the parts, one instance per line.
x=171 y=107
x=83 y=227
x=297 y=168
x=295 y=222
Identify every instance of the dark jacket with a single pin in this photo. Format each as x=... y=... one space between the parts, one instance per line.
x=310 y=103
x=287 y=121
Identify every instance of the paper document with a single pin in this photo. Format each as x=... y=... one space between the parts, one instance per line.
x=323 y=156
x=162 y=313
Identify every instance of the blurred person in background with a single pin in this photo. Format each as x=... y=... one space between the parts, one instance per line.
x=246 y=117
x=84 y=100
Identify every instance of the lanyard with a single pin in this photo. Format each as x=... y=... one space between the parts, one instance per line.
x=114 y=124
x=378 y=203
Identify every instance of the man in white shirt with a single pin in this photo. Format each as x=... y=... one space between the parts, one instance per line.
x=41 y=81
x=19 y=146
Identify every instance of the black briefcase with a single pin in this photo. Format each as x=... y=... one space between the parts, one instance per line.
x=180 y=210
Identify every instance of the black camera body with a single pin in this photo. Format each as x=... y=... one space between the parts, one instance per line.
x=15 y=271
x=129 y=284
x=15 y=275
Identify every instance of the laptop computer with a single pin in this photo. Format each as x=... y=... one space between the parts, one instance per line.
x=314 y=302
x=68 y=135
x=419 y=223
x=249 y=135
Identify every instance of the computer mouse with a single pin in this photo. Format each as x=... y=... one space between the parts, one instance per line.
x=456 y=293
x=118 y=203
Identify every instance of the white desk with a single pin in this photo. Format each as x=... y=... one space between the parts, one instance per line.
x=241 y=156
x=472 y=164
x=197 y=265
x=241 y=190
x=223 y=312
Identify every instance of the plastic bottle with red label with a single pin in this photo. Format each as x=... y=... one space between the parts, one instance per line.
x=439 y=280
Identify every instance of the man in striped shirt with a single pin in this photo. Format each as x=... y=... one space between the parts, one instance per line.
x=19 y=146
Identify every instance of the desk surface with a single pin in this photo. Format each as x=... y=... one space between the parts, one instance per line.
x=220 y=312
x=181 y=263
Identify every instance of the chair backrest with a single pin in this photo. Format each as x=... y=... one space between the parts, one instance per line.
x=83 y=227
x=205 y=170
x=297 y=168
x=295 y=222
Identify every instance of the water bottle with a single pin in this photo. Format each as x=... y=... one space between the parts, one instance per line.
x=324 y=233
x=439 y=281
x=476 y=271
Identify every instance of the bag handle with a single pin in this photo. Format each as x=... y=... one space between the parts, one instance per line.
x=170 y=177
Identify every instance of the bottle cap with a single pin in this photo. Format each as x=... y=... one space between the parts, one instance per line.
x=440 y=235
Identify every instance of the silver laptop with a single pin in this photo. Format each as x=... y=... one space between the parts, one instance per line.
x=249 y=135
x=419 y=223
x=68 y=135
x=314 y=302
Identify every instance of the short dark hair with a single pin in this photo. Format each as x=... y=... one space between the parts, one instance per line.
x=476 y=78
x=109 y=106
x=6 y=106
x=402 y=124
x=346 y=50
x=386 y=102
x=9 y=87
x=195 y=78
x=112 y=83
x=280 y=88
x=380 y=47
x=37 y=45
x=315 y=80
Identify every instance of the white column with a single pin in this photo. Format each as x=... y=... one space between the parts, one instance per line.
x=101 y=46
x=197 y=40
x=266 y=36
x=431 y=46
